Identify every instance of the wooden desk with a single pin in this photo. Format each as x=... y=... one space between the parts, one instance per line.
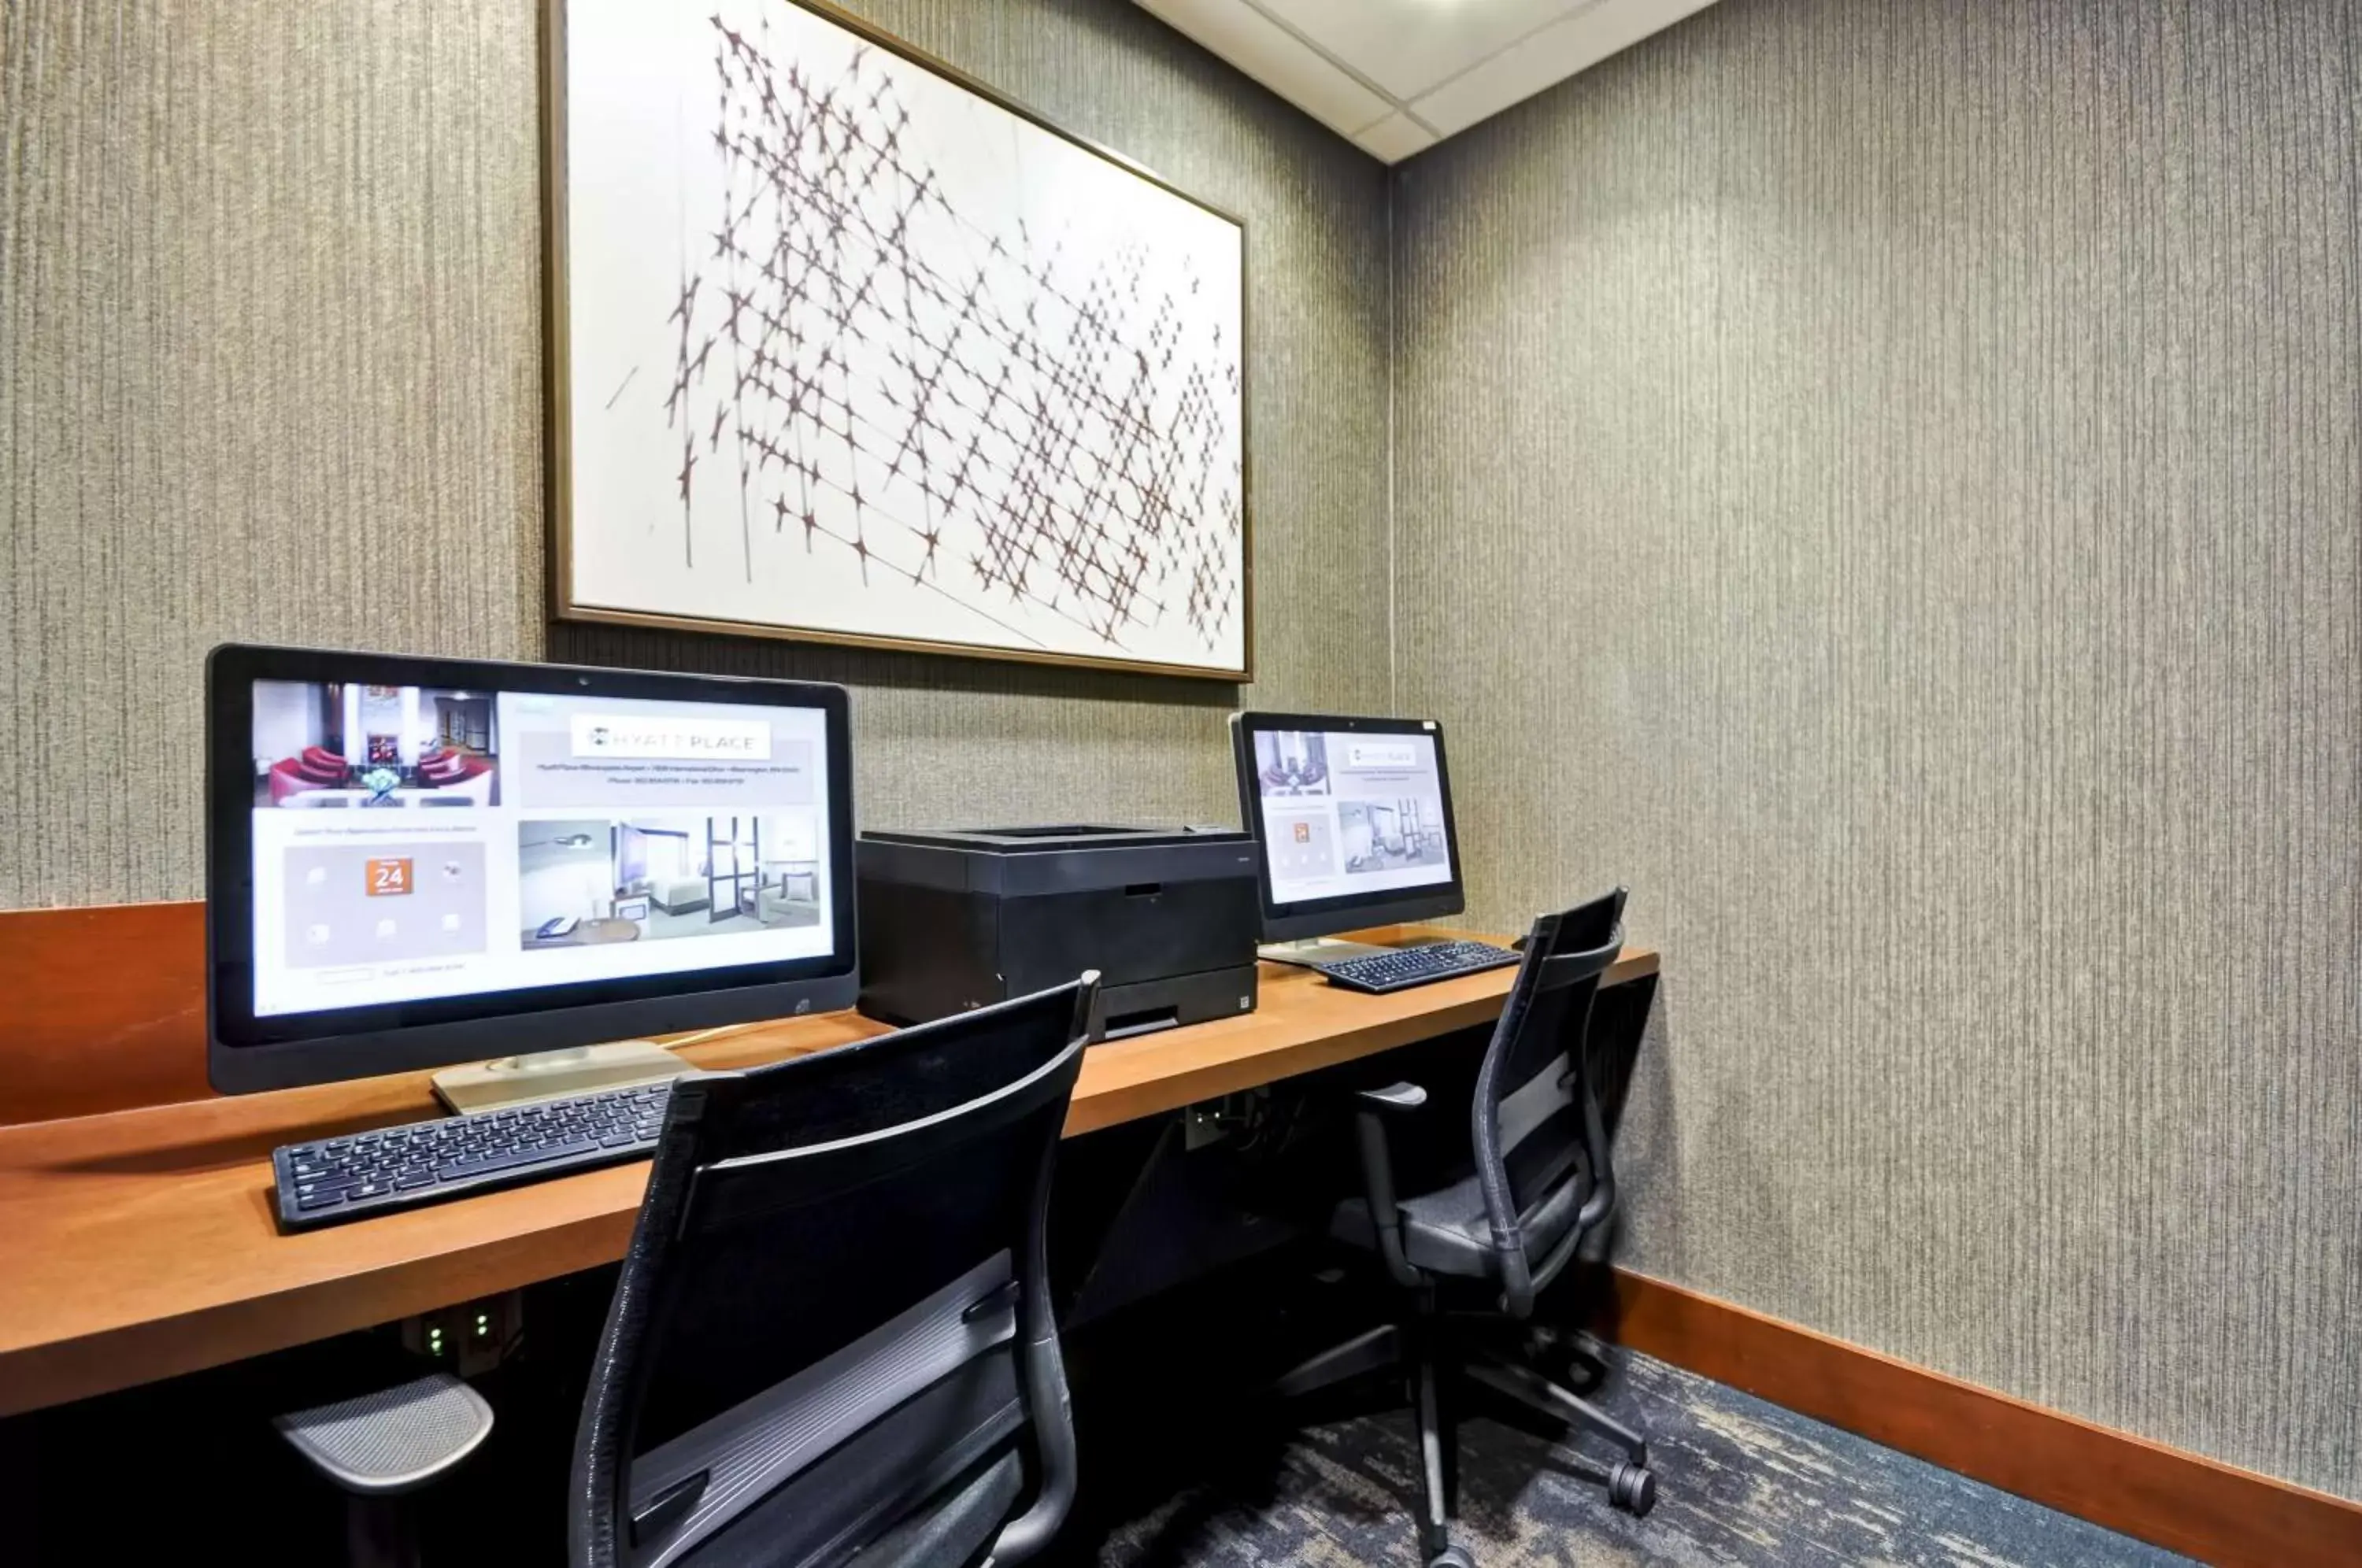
x=139 y=1244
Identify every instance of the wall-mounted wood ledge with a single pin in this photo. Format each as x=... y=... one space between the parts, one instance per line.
x=106 y=1009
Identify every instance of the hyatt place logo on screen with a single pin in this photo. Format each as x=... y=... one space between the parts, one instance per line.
x=1382 y=754
x=665 y=739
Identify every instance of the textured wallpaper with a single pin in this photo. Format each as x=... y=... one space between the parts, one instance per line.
x=270 y=369
x=1885 y=480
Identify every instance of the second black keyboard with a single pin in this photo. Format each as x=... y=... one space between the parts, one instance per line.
x=1406 y=967
x=333 y=1179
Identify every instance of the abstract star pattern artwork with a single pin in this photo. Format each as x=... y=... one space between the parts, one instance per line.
x=845 y=349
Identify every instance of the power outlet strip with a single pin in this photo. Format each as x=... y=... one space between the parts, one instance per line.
x=469 y=1338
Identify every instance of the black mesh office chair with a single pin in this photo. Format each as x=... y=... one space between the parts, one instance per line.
x=1532 y=1179
x=833 y=1335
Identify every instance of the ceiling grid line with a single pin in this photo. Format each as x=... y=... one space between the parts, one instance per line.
x=1395 y=105
x=1395 y=77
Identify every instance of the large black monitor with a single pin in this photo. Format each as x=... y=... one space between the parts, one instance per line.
x=1353 y=820
x=415 y=862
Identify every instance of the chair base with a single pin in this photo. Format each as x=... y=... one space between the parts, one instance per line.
x=1445 y=1357
x=379 y=1532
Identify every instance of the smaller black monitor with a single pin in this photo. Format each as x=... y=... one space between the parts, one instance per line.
x=1353 y=817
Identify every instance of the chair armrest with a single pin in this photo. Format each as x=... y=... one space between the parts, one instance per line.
x=1042 y=1367
x=1393 y=1096
x=1041 y=1364
x=1602 y=1197
x=1372 y=1107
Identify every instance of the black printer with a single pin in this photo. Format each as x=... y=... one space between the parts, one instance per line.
x=958 y=919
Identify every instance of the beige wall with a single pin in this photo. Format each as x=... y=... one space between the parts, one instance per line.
x=1885 y=480
x=270 y=369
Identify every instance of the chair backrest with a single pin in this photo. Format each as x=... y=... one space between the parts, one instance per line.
x=835 y=1311
x=1541 y=1147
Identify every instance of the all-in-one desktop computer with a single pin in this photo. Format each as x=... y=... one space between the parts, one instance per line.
x=1353 y=817
x=417 y=863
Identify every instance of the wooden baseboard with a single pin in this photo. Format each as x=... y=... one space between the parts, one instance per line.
x=2180 y=1501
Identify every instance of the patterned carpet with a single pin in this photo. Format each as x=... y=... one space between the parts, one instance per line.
x=1740 y=1482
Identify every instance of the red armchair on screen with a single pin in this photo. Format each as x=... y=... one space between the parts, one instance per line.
x=298 y=774
x=442 y=769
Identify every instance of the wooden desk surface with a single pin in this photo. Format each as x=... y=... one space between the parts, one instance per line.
x=139 y=1244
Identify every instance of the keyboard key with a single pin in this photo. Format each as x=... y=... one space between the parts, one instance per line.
x=320 y=1201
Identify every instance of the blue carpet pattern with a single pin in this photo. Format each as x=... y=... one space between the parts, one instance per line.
x=1739 y=1482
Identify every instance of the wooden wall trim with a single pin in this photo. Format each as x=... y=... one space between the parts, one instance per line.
x=2182 y=1501
x=106 y=1009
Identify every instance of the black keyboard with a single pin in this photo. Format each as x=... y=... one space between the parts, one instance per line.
x=1408 y=967
x=335 y=1179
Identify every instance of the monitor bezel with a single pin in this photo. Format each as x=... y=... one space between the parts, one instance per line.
x=1354 y=912
x=243 y=1053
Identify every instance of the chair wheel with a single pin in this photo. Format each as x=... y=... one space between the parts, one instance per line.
x=1632 y=1488
x=1451 y=1557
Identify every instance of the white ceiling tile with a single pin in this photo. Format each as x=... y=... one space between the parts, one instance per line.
x=1558 y=52
x=1395 y=138
x=1265 y=50
x=1408 y=45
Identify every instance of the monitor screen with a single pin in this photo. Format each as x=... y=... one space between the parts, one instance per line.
x=1346 y=814
x=420 y=841
x=433 y=841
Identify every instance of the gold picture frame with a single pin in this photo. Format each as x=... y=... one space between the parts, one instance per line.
x=569 y=603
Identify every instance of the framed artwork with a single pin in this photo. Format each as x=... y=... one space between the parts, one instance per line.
x=846 y=346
